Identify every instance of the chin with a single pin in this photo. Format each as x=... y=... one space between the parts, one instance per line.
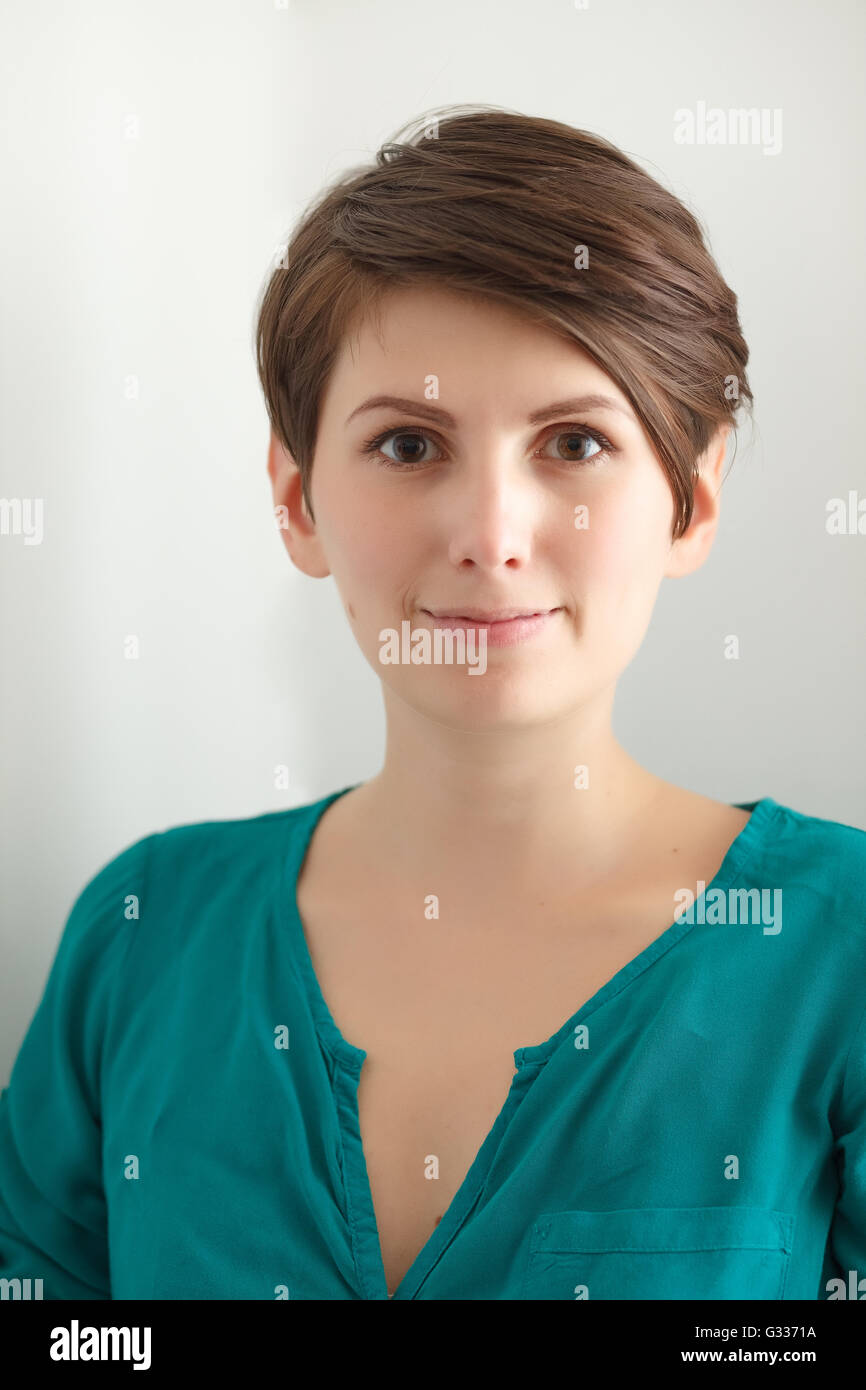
x=480 y=704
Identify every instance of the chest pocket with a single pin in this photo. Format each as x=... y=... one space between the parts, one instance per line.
x=660 y=1253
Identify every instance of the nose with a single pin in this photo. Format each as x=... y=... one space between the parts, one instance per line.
x=491 y=514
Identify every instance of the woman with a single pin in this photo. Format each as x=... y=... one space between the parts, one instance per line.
x=517 y=1018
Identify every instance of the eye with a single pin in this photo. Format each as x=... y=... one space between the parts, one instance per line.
x=575 y=437
x=410 y=445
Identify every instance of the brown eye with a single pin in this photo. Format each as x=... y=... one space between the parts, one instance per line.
x=576 y=446
x=409 y=446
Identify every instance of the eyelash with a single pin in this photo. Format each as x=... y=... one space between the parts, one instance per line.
x=373 y=446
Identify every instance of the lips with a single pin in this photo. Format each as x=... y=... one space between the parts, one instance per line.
x=500 y=615
x=503 y=627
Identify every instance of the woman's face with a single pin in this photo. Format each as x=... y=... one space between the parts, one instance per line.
x=478 y=511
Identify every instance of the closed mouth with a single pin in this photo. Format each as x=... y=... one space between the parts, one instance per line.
x=503 y=616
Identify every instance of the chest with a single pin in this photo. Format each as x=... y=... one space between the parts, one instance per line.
x=441 y=1005
x=440 y=1014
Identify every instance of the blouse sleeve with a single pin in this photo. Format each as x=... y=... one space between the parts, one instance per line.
x=848 y=1229
x=53 y=1224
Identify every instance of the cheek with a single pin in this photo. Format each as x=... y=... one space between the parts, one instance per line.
x=620 y=559
x=368 y=547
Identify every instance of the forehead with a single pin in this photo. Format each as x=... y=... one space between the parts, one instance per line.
x=465 y=342
x=425 y=312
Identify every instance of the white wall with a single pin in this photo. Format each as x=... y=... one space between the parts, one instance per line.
x=153 y=157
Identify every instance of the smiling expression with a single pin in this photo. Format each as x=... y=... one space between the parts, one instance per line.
x=513 y=477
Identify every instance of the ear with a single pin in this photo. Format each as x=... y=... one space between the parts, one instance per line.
x=691 y=549
x=293 y=521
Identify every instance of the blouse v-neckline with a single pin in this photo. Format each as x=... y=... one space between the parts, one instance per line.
x=529 y=1059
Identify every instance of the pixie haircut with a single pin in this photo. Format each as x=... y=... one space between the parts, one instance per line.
x=557 y=223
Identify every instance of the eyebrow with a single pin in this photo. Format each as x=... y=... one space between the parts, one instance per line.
x=572 y=404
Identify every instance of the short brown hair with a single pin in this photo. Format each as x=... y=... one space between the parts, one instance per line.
x=493 y=202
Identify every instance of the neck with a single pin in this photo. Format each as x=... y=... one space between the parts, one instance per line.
x=503 y=810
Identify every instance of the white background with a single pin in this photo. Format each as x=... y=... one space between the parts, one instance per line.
x=145 y=257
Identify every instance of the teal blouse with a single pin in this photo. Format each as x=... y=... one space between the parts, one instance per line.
x=181 y=1120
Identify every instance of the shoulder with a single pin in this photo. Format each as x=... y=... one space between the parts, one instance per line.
x=193 y=861
x=829 y=854
x=817 y=866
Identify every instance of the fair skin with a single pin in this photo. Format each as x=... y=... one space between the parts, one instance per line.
x=478 y=774
x=544 y=890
